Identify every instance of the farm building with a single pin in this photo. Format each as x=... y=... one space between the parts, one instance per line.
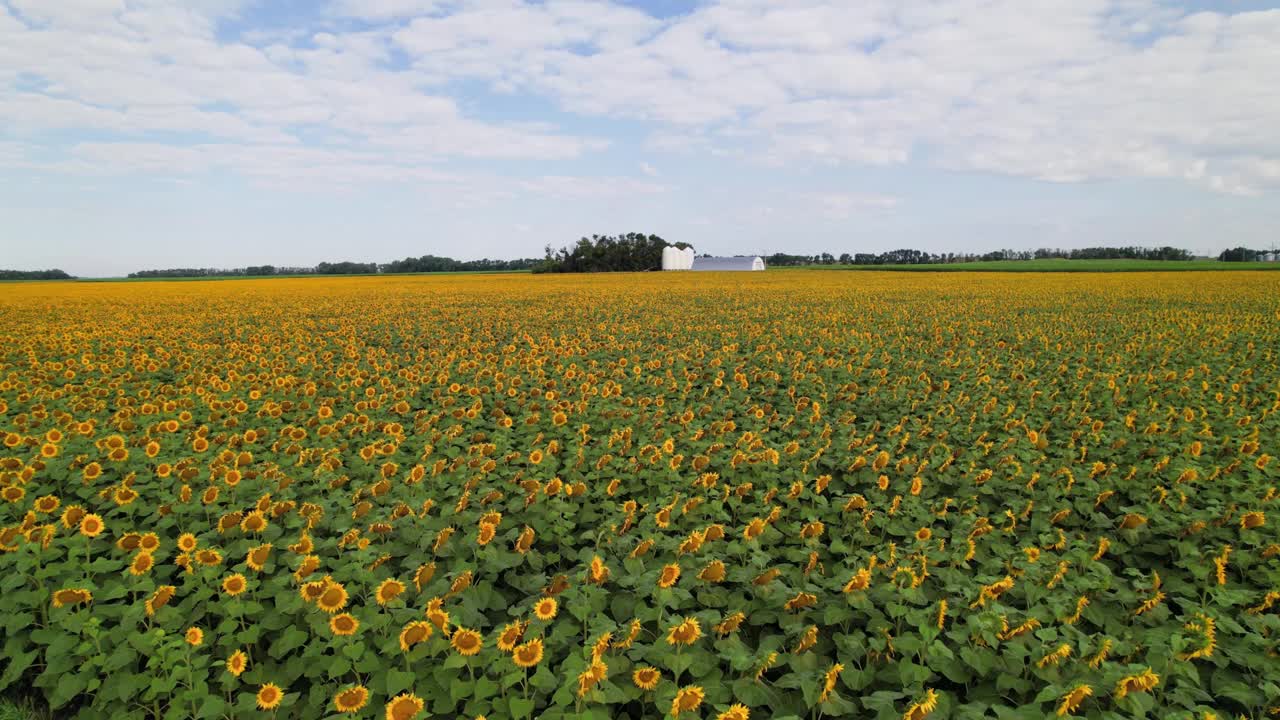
x=673 y=258
x=743 y=263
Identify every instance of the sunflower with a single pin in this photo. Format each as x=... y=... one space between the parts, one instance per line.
x=195 y=636
x=670 y=574
x=861 y=580
x=91 y=525
x=687 y=699
x=466 y=642
x=309 y=564
x=404 y=707
x=149 y=542
x=344 y=624
x=460 y=583
x=303 y=546
x=546 y=609
x=269 y=696
x=13 y=493
x=141 y=564
x=47 y=504
x=599 y=572
x=714 y=572
x=525 y=542
x=209 y=558
x=72 y=516
x=646 y=678
x=807 y=640
x=442 y=537
x=801 y=601
x=351 y=700
x=71 y=596
x=735 y=712
x=528 y=654
x=234 y=584
x=388 y=591
x=730 y=624
x=535 y=457
x=237 y=663
x=254 y=522
x=439 y=618
x=924 y=534
x=510 y=636
x=159 y=598
x=124 y=495
x=414 y=633
x=829 y=681
x=257 y=557
x=486 y=533
x=312 y=591
x=920 y=709
x=686 y=632
x=1144 y=681
x=92 y=471
x=423 y=575
x=1073 y=699
x=333 y=599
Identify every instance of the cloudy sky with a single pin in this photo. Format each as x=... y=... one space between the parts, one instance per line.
x=148 y=133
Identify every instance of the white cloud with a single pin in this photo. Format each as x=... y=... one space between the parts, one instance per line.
x=593 y=187
x=1055 y=90
x=152 y=72
x=842 y=206
x=383 y=10
x=1059 y=90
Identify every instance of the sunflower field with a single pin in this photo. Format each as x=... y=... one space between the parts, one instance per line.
x=773 y=495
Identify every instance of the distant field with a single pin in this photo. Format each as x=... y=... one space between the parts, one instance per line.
x=311 y=275
x=1057 y=265
x=810 y=495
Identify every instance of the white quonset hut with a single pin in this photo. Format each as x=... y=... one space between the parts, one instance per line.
x=673 y=258
x=731 y=264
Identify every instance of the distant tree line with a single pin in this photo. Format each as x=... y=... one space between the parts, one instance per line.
x=431 y=263
x=632 y=252
x=426 y=263
x=920 y=257
x=1241 y=254
x=35 y=275
x=636 y=252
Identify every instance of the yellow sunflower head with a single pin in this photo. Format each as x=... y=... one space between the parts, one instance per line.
x=237 y=663
x=528 y=654
x=351 y=700
x=404 y=707
x=269 y=696
x=546 y=609
x=646 y=678
x=466 y=642
x=344 y=624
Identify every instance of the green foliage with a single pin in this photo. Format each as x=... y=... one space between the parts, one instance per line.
x=886 y=496
x=632 y=252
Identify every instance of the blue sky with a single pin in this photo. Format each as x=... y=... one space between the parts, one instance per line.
x=145 y=133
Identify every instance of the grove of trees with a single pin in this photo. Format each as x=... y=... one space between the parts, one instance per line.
x=426 y=263
x=920 y=257
x=1242 y=254
x=632 y=252
x=54 y=274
